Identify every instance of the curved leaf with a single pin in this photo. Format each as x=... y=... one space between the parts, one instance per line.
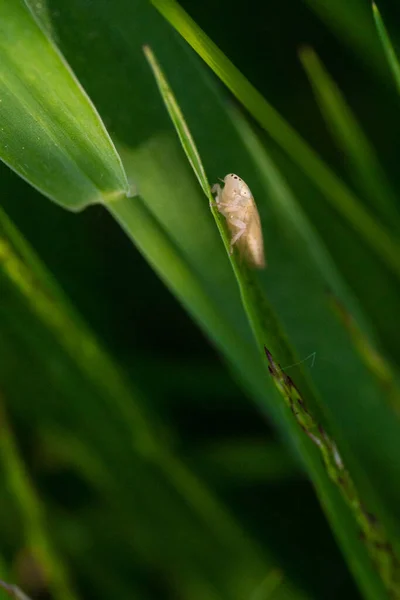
x=50 y=132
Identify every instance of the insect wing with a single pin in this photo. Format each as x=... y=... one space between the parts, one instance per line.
x=253 y=244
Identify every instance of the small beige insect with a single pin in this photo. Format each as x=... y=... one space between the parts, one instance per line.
x=235 y=201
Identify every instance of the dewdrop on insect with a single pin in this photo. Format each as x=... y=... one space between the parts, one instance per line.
x=235 y=201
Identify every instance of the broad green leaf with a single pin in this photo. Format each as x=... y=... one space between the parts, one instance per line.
x=50 y=132
x=334 y=190
x=390 y=53
x=363 y=163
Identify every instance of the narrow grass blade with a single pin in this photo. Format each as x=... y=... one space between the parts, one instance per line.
x=179 y=122
x=33 y=519
x=266 y=329
x=50 y=132
x=351 y=140
x=334 y=190
x=390 y=53
x=376 y=363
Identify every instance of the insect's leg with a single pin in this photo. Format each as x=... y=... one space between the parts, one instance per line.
x=241 y=225
x=216 y=189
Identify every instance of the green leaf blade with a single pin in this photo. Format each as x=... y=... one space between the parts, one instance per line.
x=50 y=133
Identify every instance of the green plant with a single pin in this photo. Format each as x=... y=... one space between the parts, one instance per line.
x=331 y=290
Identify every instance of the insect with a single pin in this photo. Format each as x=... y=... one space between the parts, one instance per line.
x=235 y=201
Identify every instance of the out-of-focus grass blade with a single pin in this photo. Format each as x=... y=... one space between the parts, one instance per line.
x=13 y=591
x=334 y=190
x=50 y=132
x=114 y=403
x=249 y=460
x=56 y=314
x=267 y=330
x=268 y=588
x=341 y=17
x=387 y=46
x=31 y=513
x=376 y=363
x=350 y=138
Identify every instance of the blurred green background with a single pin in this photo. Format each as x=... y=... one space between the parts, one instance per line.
x=119 y=526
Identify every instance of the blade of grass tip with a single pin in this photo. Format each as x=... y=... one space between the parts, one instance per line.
x=266 y=329
x=178 y=121
x=185 y=137
x=350 y=138
x=334 y=190
x=387 y=45
x=32 y=515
